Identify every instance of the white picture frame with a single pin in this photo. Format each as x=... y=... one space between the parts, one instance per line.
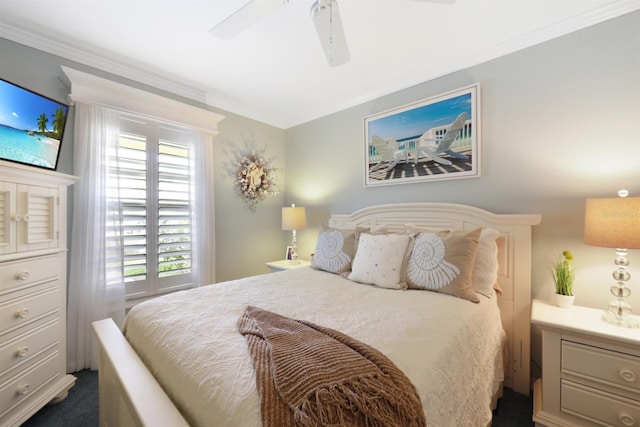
x=434 y=139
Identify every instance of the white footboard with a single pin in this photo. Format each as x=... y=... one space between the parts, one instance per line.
x=129 y=395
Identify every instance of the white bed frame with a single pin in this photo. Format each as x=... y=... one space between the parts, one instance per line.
x=130 y=396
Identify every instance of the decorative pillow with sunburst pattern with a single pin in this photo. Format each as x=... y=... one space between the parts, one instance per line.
x=334 y=250
x=442 y=261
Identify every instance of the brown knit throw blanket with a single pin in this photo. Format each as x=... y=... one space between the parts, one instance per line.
x=309 y=375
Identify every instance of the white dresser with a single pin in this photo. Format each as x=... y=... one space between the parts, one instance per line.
x=590 y=369
x=33 y=283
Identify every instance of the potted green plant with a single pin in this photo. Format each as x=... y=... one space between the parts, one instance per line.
x=563 y=276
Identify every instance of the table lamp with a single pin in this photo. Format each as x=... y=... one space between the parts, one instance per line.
x=615 y=223
x=294 y=218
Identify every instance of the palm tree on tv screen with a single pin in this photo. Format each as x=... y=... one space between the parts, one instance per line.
x=58 y=122
x=42 y=123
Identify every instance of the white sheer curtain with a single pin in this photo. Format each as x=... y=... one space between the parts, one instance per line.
x=96 y=285
x=96 y=288
x=203 y=211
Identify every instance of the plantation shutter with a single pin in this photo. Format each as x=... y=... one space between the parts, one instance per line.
x=174 y=210
x=155 y=178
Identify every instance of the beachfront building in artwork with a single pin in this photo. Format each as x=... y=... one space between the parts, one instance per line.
x=462 y=143
x=434 y=139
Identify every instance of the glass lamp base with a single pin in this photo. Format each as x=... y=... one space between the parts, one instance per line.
x=294 y=249
x=619 y=311
x=620 y=320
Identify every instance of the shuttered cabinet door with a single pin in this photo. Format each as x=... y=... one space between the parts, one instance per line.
x=7 y=214
x=36 y=218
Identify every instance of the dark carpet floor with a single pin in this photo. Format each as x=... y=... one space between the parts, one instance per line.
x=80 y=408
x=514 y=410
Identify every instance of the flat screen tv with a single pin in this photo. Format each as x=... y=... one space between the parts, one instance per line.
x=31 y=126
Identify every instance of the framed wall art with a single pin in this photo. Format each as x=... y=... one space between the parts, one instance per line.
x=434 y=139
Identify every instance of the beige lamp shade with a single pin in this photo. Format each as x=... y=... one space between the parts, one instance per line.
x=294 y=218
x=613 y=222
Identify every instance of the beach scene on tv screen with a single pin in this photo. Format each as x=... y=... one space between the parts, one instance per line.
x=31 y=126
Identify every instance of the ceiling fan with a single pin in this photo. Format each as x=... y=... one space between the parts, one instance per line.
x=324 y=13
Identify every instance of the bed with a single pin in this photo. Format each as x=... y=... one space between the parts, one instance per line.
x=154 y=372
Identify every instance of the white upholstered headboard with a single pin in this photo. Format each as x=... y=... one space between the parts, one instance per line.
x=514 y=256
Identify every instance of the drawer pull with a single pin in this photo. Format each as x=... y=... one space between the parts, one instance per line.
x=22 y=276
x=26 y=218
x=23 y=389
x=17 y=218
x=22 y=314
x=22 y=351
x=627 y=375
x=626 y=419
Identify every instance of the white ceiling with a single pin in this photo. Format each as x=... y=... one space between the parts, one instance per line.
x=276 y=71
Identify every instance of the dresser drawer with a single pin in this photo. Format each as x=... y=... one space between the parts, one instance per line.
x=20 y=311
x=16 y=274
x=594 y=407
x=25 y=346
x=30 y=383
x=610 y=368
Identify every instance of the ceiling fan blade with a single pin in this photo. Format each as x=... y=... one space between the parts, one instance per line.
x=326 y=18
x=245 y=17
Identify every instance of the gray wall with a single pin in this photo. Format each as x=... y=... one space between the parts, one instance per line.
x=244 y=240
x=560 y=123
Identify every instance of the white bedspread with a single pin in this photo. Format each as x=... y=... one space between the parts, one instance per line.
x=449 y=348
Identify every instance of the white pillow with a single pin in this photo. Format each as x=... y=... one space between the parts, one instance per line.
x=376 y=229
x=485 y=269
x=381 y=260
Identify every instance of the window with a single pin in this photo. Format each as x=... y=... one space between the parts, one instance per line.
x=154 y=183
x=108 y=116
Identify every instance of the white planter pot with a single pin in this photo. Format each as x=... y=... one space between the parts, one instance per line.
x=564 y=301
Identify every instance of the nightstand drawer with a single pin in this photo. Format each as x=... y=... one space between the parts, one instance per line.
x=601 y=366
x=596 y=408
x=15 y=274
x=25 y=309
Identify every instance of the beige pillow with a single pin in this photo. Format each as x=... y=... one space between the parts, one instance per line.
x=442 y=261
x=485 y=269
x=381 y=260
x=334 y=250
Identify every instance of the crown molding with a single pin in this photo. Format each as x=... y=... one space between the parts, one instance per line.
x=111 y=65
x=90 y=89
x=175 y=85
x=613 y=10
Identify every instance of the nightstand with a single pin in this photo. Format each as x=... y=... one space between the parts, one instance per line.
x=284 y=264
x=590 y=369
